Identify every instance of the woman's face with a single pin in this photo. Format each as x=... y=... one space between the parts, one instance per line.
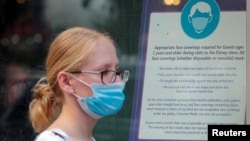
x=103 y=58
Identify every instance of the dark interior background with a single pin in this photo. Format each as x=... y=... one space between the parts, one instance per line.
x=27 y=28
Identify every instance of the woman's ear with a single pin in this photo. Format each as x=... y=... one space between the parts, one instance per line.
x=64 y=82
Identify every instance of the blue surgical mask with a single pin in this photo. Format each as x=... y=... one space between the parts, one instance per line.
x=106 y=100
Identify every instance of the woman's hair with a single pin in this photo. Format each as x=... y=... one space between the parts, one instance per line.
x=68 y=52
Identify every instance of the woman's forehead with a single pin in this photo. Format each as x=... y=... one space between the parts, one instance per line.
x=103 y=55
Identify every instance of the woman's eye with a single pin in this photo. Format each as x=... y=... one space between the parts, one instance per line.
x=105 y=72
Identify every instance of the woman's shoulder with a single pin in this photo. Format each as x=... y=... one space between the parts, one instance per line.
x=53 y=135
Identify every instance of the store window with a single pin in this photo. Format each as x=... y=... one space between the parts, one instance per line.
x=26 y=30
x=148 y=35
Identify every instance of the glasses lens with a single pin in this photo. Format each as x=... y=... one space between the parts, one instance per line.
x=125 y=75
x=108 y=77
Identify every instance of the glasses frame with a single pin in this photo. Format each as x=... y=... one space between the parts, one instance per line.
x=103 y=72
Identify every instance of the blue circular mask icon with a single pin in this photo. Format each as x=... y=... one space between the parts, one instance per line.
x=200 y=18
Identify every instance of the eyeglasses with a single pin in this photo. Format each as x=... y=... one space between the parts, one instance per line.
x=108 y=76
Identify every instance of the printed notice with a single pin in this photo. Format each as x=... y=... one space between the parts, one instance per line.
x=195 y=75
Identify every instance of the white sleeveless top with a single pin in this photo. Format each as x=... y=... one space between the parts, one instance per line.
x=54 y=135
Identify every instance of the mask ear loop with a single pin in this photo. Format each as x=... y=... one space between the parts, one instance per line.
x=79 y=81
x=78 y=97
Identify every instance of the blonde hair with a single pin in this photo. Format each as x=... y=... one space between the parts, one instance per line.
x=67 y=52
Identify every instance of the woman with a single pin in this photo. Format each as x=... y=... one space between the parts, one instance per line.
x=83 y=83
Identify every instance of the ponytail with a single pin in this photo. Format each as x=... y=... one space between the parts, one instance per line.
x=44 y=107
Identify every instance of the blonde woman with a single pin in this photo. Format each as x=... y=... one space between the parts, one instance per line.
x=83 y=83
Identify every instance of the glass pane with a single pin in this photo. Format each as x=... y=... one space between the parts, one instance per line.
x=27 y=29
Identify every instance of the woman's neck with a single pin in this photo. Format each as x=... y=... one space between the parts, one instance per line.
x=75 y=123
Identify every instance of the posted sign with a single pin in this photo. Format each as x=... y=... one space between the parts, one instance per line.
x=191 y=69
